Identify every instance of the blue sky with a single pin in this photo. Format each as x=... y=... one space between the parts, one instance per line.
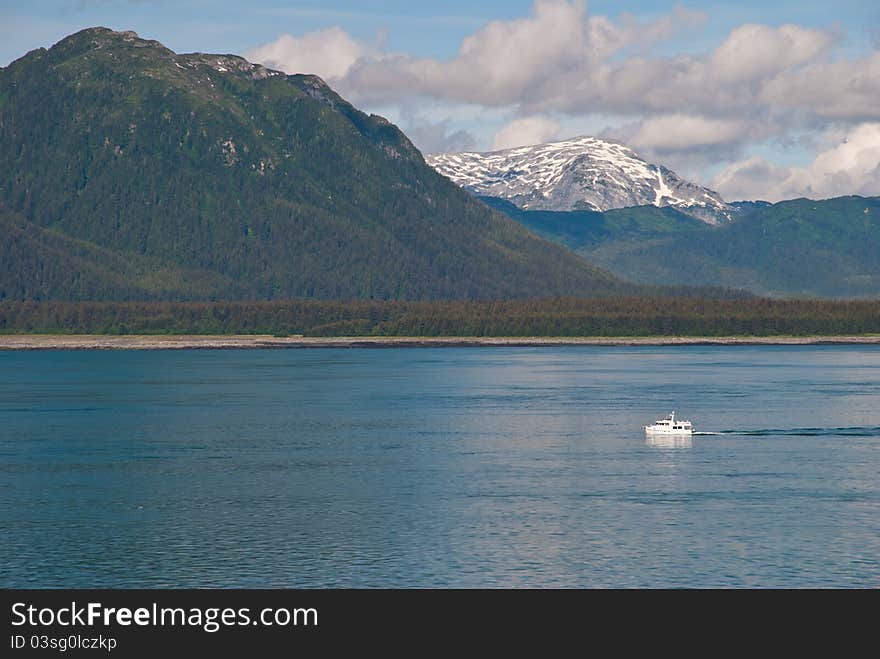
x=424 y=29
x=767 y=128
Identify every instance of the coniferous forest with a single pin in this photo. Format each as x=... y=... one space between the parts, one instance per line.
x=608 y=316
x=800 y=247
x=128 y=172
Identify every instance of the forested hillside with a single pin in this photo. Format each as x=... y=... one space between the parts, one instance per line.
x=827 y=248
x=128 y=172
x=658 y=315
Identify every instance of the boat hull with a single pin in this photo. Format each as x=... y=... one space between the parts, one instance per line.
x=665 y=431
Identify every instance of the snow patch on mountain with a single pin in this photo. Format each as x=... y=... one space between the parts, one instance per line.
x=582 y=173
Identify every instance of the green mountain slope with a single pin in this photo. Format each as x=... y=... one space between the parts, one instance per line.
x=130 y=172
x=43 y=264
x=799 y=247
x=582 y=229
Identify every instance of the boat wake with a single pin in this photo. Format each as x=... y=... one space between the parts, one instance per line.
x=855 y=431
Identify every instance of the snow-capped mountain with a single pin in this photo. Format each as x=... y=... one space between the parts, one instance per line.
x=582 y=173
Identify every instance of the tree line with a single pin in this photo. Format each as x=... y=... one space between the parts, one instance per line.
x=609 y=316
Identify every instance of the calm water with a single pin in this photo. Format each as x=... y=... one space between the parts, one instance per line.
x=440 y=467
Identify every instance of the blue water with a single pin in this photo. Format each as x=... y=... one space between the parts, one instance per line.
x=440 y=467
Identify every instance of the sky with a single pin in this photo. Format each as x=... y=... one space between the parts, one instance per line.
x=756 y=99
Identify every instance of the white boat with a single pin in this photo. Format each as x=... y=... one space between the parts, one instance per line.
x=669 y=426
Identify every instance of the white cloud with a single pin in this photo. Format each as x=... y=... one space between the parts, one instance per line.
x=681 y=132
x=516 y=62
x=851 y=166
x=844 y=89
x=728 y=82
x=751 y=178
x=645 y=34
x=494 y=66
x=756 y=52
x=560 y=59
x=439 y=137
x=327 y=53
x=522 y=132
x=758 y=83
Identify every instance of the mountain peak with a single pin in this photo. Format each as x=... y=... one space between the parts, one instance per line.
x=101 y=37
x=579 y=173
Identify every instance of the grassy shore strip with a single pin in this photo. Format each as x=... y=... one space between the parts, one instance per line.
x=215 y=342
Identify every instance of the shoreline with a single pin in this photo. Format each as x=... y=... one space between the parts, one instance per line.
x=10 y=342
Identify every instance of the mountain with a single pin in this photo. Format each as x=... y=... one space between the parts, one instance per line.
x=130 y=172
x=584 y=229
x=801 y=247
x=746 y=207
x=582 y=173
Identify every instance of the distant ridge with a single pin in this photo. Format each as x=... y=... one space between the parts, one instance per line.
x=800 y=247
